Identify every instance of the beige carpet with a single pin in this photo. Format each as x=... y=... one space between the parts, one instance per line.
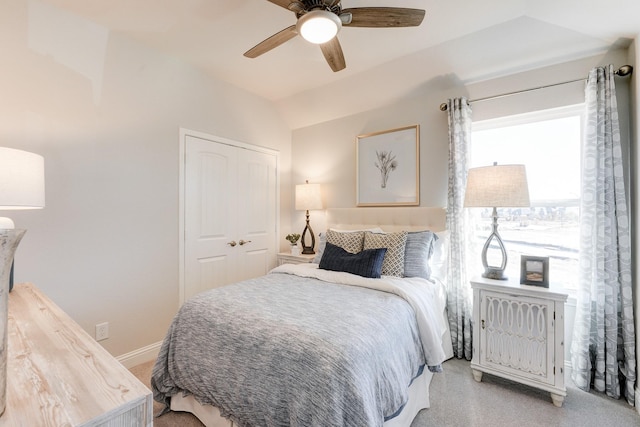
x=458 y=401
x=171 y=419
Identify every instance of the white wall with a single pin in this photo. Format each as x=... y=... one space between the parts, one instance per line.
x=105 y=114
x=325 y=153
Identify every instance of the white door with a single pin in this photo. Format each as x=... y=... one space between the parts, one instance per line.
x=256 y=213
x=229 y=214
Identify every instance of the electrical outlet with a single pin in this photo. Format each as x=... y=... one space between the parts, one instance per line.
x=102 y=331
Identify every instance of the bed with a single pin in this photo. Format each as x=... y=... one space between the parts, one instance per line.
x=305 y=345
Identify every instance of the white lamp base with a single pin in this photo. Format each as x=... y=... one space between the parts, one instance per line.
x=9 y=240
x=492 y=272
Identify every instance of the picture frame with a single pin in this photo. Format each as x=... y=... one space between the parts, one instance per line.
x=534 y=271
x=388 y=167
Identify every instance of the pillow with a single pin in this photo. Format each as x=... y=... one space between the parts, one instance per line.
x=395 y=243
x=350 y=241
x=439 y=259
x=367 y=263
x=322 y=241
x=417 y=253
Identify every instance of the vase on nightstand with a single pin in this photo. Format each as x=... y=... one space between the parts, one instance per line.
x=9 y=240
x=295 y=250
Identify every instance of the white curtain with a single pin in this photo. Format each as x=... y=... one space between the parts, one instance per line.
x=603 y=346
x=459 y=299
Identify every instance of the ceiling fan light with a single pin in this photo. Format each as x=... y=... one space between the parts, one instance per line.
x=319 y=26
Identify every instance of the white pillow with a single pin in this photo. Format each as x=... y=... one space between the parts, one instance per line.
x=440 y=257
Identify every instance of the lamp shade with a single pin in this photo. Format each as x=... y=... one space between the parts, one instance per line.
x=308 y=197
x=497 y=186
x=21 y=180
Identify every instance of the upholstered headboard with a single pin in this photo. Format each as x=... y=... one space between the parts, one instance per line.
x=390 y=219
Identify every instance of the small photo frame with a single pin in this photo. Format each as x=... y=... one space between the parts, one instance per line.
x=534 y=270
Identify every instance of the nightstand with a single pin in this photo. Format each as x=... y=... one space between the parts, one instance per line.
x=287 y=258
x=518 y=334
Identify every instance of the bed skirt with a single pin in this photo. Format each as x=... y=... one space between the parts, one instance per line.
x=210 y=415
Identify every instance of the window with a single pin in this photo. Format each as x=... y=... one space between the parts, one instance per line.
x=548 y=144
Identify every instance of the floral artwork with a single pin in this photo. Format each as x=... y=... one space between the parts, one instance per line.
x=386 y=163
x=388 y=168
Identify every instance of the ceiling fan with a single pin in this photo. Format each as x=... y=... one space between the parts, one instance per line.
x=320 y=20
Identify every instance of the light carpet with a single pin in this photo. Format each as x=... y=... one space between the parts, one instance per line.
x=458 y=400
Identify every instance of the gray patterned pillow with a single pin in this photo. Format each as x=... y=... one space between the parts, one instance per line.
x=417 y=253
x=322 y=240
x=395 y=243
x=350 y=242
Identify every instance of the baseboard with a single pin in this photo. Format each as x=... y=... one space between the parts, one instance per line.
x=141 y=355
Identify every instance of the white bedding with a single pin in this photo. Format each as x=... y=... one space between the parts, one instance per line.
x=415 y=291
x=426 y=298
x=210 y=415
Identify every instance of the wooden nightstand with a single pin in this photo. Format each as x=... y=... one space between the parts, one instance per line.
x=518 y=334
x=287 y=258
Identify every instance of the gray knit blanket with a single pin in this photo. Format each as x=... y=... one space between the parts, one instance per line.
x=289 y=350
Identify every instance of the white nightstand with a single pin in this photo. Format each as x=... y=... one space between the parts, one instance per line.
x=518 y=334
x=287 y=258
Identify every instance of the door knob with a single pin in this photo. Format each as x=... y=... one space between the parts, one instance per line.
x=244 y=242
x=232 y=243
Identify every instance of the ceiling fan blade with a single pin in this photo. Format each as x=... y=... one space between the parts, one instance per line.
x=384 y=17
x=332 y=52
x=272 y=42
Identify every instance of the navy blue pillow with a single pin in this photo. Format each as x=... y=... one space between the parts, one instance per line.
x=367 y=263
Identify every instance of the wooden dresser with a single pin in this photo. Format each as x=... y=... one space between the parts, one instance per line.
x=58 y=375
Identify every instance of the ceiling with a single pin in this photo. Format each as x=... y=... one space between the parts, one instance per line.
x=481 y=38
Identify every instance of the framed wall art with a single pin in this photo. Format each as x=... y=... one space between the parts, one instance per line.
x=534 y=270
x=388 y=167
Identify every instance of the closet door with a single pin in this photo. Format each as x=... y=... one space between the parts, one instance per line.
x=210 y=215
x=230 y=207
x=256 y=213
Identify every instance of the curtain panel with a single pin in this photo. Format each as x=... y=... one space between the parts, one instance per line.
x=603 y=345
x=459 y=298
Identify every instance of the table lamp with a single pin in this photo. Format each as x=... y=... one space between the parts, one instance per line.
x=495 y=187
x=21 y=187
x=308 y=197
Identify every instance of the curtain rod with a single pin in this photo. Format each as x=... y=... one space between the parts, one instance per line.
x=623 y=71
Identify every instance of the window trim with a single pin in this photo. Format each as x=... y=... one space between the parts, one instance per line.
x=532 y=117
